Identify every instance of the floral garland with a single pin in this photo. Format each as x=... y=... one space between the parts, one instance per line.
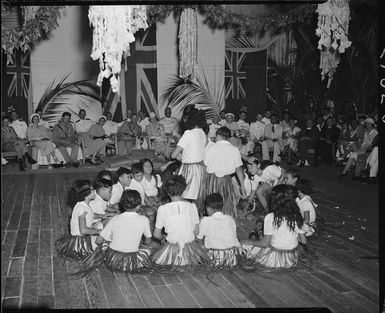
x=37 y=23
x=114 y=29
x=188 y=38
x=333 y=26
x=217 y=16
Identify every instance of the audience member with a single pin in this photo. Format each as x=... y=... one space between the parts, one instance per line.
x=328 y=138
x=127 y=135
x=272 y=138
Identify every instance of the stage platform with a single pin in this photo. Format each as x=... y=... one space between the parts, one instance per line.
x=34 y=214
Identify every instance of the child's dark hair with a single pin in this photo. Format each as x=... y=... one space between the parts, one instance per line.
x=175 y=185
x=247 y=162
x=122 y=170
x=305 y=186
x=224 y=132
x=214 y=201
x=103 y=174
x=102 y=183
x=283 y=205
x=194 y=118
x=294 y=173
x=130 y=200
x=80 y=189
x=137 y=168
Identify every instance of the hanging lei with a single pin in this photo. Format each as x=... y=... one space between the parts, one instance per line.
x=114 y=29
x=188 y=33
x=333 y=26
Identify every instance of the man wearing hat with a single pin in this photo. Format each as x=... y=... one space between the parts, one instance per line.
x=359 y=156
x=230 y=124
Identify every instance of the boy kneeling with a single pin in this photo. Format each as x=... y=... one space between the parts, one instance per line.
x=220 y=233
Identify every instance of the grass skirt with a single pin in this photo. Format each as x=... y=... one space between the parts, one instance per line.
x=193 y=253
x=153 y=202
x=227 y=187
x=220 y=258
x=193 y=173
x=115 y=261
x=74 y=247
x=271 y=257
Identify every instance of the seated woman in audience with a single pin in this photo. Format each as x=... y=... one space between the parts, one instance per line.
x=328 y=137
x=120 y=241
x=127 y=135
x=372 y=162
x=39 y=137
x=96 y=141
x=345 y=141
x=156 y=136
x=219 y=232
x=279 y=247
x=358 y=156
x=290 y=137
x=308 y=139
x=83 y=226
x=10 y=142
x=180 y=221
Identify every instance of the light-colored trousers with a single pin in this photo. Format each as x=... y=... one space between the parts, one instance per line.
x=372 y=160
x=267 y=145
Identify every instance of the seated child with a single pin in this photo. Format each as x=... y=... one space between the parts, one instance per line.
x=123 y=234
x=83 y=227
x=307 y=206
x=136 y=182
x=180 y=221
x=103 y=190
x=124 y=179
x=291 y=177
x=279 y=247
x=167 y=171
x=251 y=183
x=219 y=232
x=150 y=183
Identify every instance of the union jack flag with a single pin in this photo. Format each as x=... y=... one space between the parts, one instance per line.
x=18 y=75
x=138 y=80
x=234 y=76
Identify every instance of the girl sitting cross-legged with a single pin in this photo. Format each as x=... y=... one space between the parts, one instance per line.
x=83 y=226
x=279 y=247
x=120 y=241
x=180 y=221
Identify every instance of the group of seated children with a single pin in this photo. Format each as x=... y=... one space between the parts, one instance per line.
x=112 y=225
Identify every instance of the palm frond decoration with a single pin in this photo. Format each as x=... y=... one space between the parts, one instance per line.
x=206 y=91
x=70 y=97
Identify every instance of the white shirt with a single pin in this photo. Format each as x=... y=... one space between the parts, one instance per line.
x=277 y=134
x=232 y=126
x=271 y=174
x=79 y=209
x=44 y=123
x=83 y=126
x=110 y=127
x=257 y=130
x=251 y=184
x=20 y=128
x=151 y=186
x=213 y=130
x=135 y=185
x=306 y=204
x=98 y=205
x=222 y=122
x=125 y=231
x=193 y=143
x=266 y=120
x=170 y=125
x=222 y=158
x=116 y=193
x=143 y=123
x=243 y=125
x=219 y=231
x=179 y=219
x=282 y=237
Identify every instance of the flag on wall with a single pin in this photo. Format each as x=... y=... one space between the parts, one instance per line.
x=245 y=80
x=15 y=85
x=139 y=85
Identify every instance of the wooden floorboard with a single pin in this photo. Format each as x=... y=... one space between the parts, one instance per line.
x=35 y=214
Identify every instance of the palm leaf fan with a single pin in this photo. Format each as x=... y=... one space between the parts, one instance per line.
x=70 y=97
x=206 y=92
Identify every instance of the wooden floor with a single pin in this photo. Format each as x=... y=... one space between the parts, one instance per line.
x=34 y=214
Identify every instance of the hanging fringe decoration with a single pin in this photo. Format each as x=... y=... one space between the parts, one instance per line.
x=114 y=29
x=188 y=39
x=333 y=26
